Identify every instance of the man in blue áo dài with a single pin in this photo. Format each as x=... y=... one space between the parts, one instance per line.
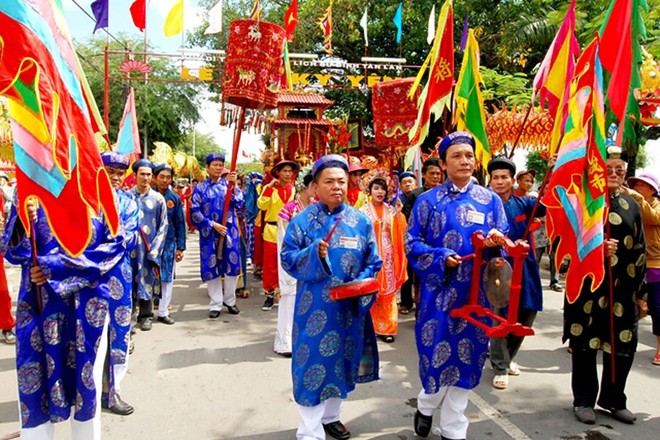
x=151 y=239
x=333 y=343
x=452 y=352
x=61 y=348
x=518 y=213
x=206 y=210
x=175 y=240
x=119 y=285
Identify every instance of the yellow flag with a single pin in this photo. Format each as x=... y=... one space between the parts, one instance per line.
x=174 y=21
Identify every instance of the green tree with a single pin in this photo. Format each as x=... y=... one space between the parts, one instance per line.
x=165 y=110
x=204 y=144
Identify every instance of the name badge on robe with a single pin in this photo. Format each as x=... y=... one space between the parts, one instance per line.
x=476 y=217
x=348 y=242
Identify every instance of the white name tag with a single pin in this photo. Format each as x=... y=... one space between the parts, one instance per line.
x=476 y=217
x=348 y=242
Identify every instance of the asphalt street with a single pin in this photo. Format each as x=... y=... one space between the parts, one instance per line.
x=220 y=379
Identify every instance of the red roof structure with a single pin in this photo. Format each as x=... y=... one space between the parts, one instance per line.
x=303 y=99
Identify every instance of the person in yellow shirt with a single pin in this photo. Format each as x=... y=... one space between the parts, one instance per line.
x=274 y=195
x=355 y=196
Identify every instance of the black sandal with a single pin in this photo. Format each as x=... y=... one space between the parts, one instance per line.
x=386 y=338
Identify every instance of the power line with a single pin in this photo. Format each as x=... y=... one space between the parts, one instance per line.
x=104 y=29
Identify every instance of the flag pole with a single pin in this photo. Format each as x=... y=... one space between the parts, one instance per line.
x=522 y=128
x=610 y=286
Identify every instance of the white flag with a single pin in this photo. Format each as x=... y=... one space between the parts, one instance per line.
x=363 y=23
x=215 y=19
x=431 y=35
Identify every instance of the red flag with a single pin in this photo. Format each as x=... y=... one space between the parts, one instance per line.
x=291 y=20
x=139 y=14
x=53 y=119
x=437 y=92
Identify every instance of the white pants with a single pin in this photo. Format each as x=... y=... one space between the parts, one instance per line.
x=119 y=372
x=452 y=402
x=91 y=429
x=216 y=294
x=166 y=299
x=312 y=419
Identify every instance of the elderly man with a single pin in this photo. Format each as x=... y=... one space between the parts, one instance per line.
x=452 y=352
x=175 y=240
x=119 y=281
x=274 y=195
x=334 y=344
x=587 y=320
x=207 y=208
x=151 y=240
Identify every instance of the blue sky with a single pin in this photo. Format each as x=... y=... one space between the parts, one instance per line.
x=81 y=27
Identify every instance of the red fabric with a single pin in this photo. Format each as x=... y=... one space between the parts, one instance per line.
x=69 y=185
x=7 y=321
x=353 y=195
x=139 y=14
x=615 y=52
x=253 y=66
x=258 y=257
x=394 y=113
x=285 y=192
x=291 y=20
x=270 y=277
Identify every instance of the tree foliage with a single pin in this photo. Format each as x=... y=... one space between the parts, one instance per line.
x=513 y=35
x=165 y=110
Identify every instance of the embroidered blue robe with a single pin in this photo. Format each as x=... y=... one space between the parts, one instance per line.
x=152 y=228
x=57 y=348
x=519 y=213
x=333 y=343
x=206 y=206
x=120 y=301
x=176 y=235
x=451 y=351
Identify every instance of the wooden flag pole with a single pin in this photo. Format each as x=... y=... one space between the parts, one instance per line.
x=230 y=186
x=522 y=128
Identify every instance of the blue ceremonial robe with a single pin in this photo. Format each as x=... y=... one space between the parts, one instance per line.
x=451 y=351
x=176 y=235
x=57 y=348
x=334 y=344
x=519 y=213
x=206 y=206
x=120 y=301
x=153 y=228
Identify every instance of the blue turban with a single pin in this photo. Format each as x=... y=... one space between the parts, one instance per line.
x=329 y=161
x=457 y=137
x=142 y=163
x=115 y=159
x=407 y=174
x=215 y=156
x=163 y=167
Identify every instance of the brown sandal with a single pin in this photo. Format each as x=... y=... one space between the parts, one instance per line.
x=243 y=293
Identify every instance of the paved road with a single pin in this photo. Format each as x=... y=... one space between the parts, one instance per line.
x=203 y=379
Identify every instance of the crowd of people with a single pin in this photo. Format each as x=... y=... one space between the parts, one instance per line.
x=307 y=233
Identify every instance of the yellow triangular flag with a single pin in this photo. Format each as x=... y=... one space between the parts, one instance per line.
x=174 y=21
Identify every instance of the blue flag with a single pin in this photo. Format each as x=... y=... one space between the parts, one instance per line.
x=100 y=11
x=398 y=21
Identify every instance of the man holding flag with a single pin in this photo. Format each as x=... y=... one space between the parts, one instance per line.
x=611 y=309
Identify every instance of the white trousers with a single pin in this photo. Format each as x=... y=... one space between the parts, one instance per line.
x=220 y=293
x=119 y=372
x=452 y=402
x=312 y=419
x=166 y=298
x=91 y=429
